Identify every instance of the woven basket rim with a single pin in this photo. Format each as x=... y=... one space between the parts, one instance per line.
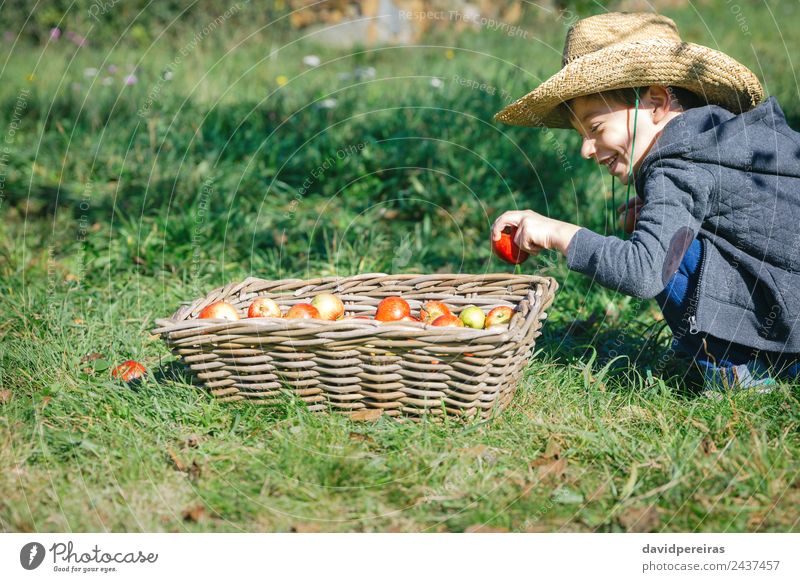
x=181 y=319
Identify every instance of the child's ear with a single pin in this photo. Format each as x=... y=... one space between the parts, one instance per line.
x=659 y=100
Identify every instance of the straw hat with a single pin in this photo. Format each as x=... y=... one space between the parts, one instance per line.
x=621 y=50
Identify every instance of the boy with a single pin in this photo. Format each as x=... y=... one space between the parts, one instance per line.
x=717 y=216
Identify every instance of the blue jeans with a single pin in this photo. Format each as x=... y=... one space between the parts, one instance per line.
x=723 y=364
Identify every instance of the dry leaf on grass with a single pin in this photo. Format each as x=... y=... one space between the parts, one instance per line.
x=5 y=396
x=194 y=514
x=550 y=466
x=192 y=441
x=709 y=447
x=305 y=528
x=176 y=460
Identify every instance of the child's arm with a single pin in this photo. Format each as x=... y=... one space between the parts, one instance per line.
x=677 y=195
x=536 y=232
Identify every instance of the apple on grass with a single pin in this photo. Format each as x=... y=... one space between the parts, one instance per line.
x=330 y=307
x=219 y=310
x=129 y=370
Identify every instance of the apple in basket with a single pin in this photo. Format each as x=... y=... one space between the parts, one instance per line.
x=264 y=307
x=473 y=316
x=507 y=249
x=129 y=370
x=329 y=306
x=219 y=310
x=392 y=309
x=303 y=311
x=433 y=309
x=498 y=316
x=448 y=321
x=410 y=318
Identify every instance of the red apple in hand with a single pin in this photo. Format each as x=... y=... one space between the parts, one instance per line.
x=219 y=310
x=433 y=309
x=392 y=309
x=498 y=316
x=507 y=249
x=330 y=307
x=303 y=311
x=129 y=370
x=264 y=307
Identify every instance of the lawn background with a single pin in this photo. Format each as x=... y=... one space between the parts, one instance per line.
x=127 y=191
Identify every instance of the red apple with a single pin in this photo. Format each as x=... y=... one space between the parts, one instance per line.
x=507 y=249
x=129 y=370
x=433 y=309
x=329 y=306
x=303 y=311
x=448 y=321
x=219 y=310
x=392 y=309
x=264 y=307
x=498 y=316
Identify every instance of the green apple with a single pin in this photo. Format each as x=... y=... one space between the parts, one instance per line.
x=473 y=317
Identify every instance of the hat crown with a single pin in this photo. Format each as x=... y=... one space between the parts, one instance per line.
x=598 y=32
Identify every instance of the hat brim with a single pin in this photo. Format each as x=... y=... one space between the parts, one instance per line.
x=712 y=75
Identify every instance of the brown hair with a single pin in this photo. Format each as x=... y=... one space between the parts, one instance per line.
x=685 y=99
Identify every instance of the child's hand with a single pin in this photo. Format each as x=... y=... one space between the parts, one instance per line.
x=634 y=208
x=534 y=231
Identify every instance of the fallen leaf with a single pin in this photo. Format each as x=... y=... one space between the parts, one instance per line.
x=90 y=357
x=553 y=470
x=71 y=278
x=483 y=528
x=709 y=447
x=194 y=514
x=640 y=519
x=175 y=460
x=305 y=528
x=5 y=396
x=553 y=449
x=366 y=415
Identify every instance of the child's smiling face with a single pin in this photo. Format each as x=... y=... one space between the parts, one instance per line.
x=607 y=128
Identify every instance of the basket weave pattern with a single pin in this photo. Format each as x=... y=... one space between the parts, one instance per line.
x=401 y=368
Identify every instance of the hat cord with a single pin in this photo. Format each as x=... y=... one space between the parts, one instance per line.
x=630 y=168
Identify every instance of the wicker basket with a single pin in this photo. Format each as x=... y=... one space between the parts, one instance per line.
x=399 y=368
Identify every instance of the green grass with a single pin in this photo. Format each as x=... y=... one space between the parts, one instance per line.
x=110 y=219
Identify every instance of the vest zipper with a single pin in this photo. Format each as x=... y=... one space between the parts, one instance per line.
x=693 y=329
